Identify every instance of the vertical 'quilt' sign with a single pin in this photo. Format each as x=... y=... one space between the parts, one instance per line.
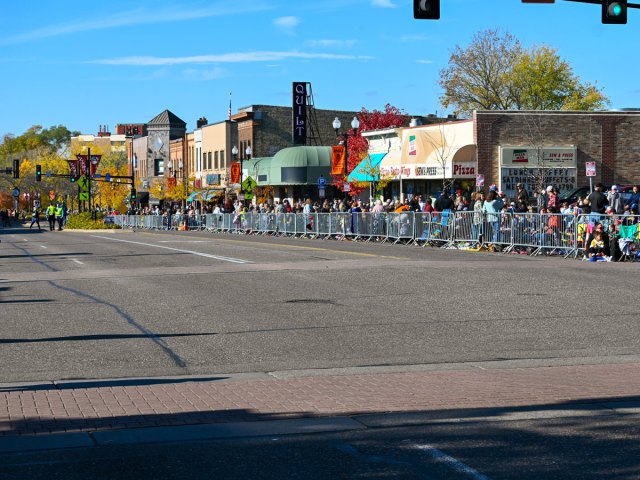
x=299 y=113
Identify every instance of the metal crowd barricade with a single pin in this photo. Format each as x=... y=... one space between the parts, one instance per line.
x=525 y=228
x=531 y=233
x=339 y=225
x=497 y=230
x=441 y=228
x=401 y=227
x=323 y=225
x=464 y=232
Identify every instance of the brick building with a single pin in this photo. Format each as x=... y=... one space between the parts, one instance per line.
x=536 y=148
x=611 y=139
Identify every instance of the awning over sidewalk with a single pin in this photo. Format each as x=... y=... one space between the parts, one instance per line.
x=368 y=170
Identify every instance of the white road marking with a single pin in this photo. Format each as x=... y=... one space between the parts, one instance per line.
x=43 y=246
x=200 y=254
x=451 y=463
x=25 y=240
x=183 y=241
x=77 y=261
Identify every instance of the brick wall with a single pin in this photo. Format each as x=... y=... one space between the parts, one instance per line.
x=611 y=139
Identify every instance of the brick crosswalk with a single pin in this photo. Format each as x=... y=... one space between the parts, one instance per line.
x=105 y=406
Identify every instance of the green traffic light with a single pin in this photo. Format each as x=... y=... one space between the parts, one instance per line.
x=615 y=9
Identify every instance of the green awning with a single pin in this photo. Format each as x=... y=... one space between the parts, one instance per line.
x=368 y=170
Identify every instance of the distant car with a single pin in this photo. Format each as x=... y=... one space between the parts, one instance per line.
x=571 y=196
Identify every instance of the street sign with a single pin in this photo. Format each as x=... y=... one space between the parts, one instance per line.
x=321 y=192
x=249 y=184
x=322 y=181
x=52 y=194
x=248 y=196
x=479 y=180
x=82 y=196
x=83 y=183
x=36 y=203
x=15 y=193
x=591 y=169
x=107 y=177
x=48 y=173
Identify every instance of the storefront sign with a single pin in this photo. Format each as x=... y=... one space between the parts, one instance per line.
x=543 y=157
x=299 y=113
x=464 y=170
x=563 y=179
x=412 y=145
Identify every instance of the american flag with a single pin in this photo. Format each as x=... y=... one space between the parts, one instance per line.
x=229 y=106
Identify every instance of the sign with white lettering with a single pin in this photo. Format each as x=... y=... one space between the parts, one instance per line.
x=591 y=169
x=299 y=113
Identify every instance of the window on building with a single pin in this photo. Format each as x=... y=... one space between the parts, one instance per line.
x=158 y=167
x=215 y=160
x=222 y=160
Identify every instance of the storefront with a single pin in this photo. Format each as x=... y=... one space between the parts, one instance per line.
x=429 y=157
x=295 y=173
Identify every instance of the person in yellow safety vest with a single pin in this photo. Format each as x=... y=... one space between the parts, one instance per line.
x=59 y=214
x=51 y=212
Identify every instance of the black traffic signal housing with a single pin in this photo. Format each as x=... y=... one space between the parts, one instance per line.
x=133 y=194
x=73 y=178
x=16 y=168
x=38 y=173
x=426 y=9
x=614 y=12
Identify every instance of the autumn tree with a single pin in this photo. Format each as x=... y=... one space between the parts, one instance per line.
x=496 y=73
x=358 y=146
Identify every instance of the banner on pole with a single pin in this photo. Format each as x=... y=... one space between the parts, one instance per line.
x=338 y=160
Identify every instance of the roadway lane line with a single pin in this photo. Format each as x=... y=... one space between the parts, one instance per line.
x=77 y=261
x=451 y=463
x=200 y=254
x=42 y=246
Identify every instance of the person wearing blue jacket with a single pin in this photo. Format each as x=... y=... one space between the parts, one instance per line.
x=492 y=206
x=634 y=200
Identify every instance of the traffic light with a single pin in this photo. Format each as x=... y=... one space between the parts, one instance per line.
x=614 y=12
x=72 y=178
x=426 y=9
x=38 y=173
x=133 y=194
x=16 y=168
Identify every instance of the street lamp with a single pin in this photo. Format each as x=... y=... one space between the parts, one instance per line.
x=355 y=125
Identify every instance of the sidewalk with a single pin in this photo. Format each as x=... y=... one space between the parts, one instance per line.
x=110 y=405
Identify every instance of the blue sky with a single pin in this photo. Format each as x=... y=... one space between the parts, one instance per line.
x=84 y=64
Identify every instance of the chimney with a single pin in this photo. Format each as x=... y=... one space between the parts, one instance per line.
x=202 y=121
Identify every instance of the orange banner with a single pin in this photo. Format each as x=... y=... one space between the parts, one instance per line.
x=338 y=160
x=171 y=183
x=235 y=172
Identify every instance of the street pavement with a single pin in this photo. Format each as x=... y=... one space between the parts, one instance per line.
x=90 y=361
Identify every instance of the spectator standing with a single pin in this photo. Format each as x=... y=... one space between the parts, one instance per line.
x=492 y=207
x=541 y=200
x=615 y=200
x=444 y=203
x=634 y=200
x=597 y=200
x=552 y=198
x=522 y=196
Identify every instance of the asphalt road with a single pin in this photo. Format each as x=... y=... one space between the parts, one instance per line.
x=91 y=305
x=105 y=305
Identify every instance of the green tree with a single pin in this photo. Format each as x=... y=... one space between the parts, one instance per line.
x=495 y=73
